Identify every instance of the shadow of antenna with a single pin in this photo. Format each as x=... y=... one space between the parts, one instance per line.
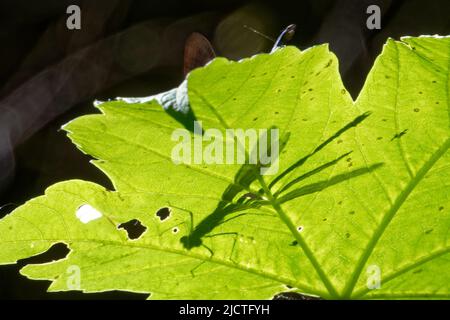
x=338 y=133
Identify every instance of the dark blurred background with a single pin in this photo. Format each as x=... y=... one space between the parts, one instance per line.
x=50 y=75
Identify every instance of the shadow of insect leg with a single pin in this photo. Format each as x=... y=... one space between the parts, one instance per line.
x=191 y=218
x=198 y=266
x=234 y=234
x=243 y=214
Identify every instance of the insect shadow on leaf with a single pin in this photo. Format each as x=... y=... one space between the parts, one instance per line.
x=235 y=204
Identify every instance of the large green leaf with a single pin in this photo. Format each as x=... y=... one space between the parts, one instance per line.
x=361 y=188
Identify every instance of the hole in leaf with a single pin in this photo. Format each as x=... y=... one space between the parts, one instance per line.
x=163 y=213
x=56 y=252
x=175 y=230
x=86 y=213
x=300 y=228
x=134 y=228
x=293 y=296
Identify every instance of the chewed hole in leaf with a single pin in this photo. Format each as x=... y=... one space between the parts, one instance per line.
x=300 y=228
x=86 y=213
x=56 y=252
x=175 y=230
x=293 y=296
x=134 y=229
x=163 y=213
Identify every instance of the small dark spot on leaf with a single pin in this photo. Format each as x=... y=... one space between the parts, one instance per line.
x=324 y=219
x=416 y=109
x=347 y=235
x=441 y=208
x=305 y=83
x=417 y=271
x=304 y=119
x=279 y=90
x=420 y=92
x=311 y=99
x=434 y=81
x=299 y=229
x=343 y=91
x=265 y=73
x=352 y=212
x=429 y=231
x=318 y=73
x=310 y=89
x=175 y=230
x=387 y=77
x=234 y=99
x=329 y=63
x=437 y=102
x=256 y=118
x=384 y=120
x=340 y=202
x=399 y=135
x=350 y=164
x=134 y=228
x=294 y=243
x=348 y=159
x=292 y=77
x=163 y=213
x=339 y=141
x=379 y=138
x=10 y=228
x=276 y=112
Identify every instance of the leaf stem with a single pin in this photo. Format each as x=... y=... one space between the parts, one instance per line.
x=292 y=228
